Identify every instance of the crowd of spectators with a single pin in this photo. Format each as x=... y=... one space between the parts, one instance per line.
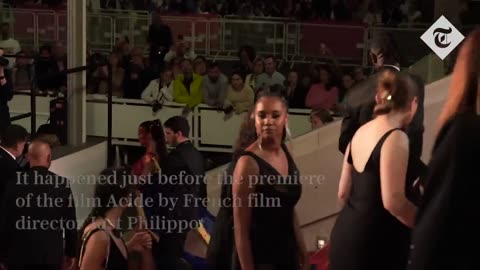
x=389 y=12
x=192 y=80
x=169 y=70
x=177 y=74
x=186 y=78
x=49 y=60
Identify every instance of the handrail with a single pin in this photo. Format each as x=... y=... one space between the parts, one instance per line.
x=21 y=116
x=276 y=19
x=138 y=111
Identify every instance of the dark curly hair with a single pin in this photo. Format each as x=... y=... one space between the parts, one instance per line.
x=248 y=134
x=158 y=135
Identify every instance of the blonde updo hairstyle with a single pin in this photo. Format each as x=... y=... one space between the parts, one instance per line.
x=395 y=92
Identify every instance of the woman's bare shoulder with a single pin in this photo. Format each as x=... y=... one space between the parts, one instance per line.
x=97 y=236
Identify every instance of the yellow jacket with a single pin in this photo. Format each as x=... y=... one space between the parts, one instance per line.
x=181 y=95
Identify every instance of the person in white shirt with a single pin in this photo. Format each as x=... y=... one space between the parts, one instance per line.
x=271 y=76
x=161 y=89
x=10 y=46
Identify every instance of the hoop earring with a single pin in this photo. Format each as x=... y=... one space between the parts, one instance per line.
x=259 y=142
x=288 y=133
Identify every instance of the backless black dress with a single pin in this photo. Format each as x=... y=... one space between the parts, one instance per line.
x=366 y=236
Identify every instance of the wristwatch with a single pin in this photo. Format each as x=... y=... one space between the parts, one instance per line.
x=2 y=77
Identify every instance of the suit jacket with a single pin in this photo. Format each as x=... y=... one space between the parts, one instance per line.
x=184 y=163
x=447 y=223
x=8 y=168
x=33 y=233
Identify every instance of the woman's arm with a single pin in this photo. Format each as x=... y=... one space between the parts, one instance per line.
x=168 y=91
x=148 y=262
x=242 y=212
x=141 y=243
x=96 y=250
x=228 y=97
x=302 y=247
x=147 y=94
x=393 y=172
x=345 y=184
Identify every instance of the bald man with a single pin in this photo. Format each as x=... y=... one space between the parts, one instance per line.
x=38 y=211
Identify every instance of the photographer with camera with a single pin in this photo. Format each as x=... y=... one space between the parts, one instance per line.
x=6 y=92
x=159 y=90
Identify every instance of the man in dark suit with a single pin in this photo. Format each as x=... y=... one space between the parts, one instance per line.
x=37 y=211
x=12 y=143
x=182 y=165
x=184 y=157
x=6 y=92
x=360 y=103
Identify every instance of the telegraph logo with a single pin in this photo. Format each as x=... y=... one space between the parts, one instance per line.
x=442 y=37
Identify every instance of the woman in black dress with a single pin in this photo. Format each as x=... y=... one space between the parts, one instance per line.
x=102 y=246
x=266 y=188
x=446 y=234
x=372 y=231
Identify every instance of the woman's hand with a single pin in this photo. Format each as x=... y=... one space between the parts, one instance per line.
x=140 y=242
x=146 y=241
x=148 y=158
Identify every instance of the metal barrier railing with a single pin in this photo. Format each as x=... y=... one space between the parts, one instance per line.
x=216 y=37
x=347 y=42
x=104 y=39
x=131 y=112
x=268 y=37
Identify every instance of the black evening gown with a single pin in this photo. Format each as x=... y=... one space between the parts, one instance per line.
x=446 y=233
x=115 y=259
x=272 y=233
x=366 y=236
